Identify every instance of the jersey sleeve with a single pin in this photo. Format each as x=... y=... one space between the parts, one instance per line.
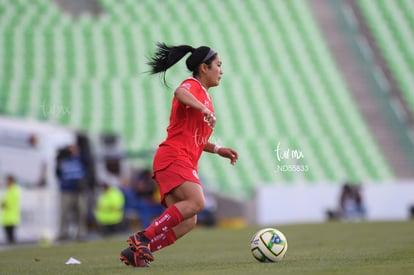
x=186 y=85
x=192 y=87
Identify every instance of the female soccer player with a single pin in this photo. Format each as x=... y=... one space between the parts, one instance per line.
x=175 y=167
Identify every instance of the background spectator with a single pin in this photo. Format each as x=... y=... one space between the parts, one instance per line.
x=142 y=197
x=73 y=197
x=10 y=209
x=351 y=205
x=109 y=209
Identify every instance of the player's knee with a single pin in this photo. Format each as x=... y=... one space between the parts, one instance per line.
x=189 y=224
x=195 y=206
x=189 y=208
x=198 y=205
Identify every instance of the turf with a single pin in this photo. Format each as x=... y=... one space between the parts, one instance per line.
x=330 y=248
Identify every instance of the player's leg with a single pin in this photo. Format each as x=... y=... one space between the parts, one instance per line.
x=184 y=201
x=188 y=198
x=169 y=237
x=181 y=197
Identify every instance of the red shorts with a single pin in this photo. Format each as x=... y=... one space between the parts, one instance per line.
x=173 y=176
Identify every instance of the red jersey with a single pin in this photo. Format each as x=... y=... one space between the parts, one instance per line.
x=187 y=133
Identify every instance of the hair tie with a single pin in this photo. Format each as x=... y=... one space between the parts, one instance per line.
x=209 y=55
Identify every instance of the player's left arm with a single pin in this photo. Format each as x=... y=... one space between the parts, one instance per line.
x=222 y=151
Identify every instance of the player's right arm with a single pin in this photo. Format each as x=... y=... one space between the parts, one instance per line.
x=185 y=97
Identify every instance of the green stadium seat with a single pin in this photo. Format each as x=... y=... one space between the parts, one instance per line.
x=392 y=24
x=280 y=83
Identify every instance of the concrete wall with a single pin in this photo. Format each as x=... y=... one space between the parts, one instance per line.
x=308 y=203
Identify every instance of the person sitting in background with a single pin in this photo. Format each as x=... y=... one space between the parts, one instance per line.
x=109 y=210
x=351 y=206
x=10 y=209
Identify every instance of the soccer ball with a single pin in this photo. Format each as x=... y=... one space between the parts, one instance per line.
x=269 y=245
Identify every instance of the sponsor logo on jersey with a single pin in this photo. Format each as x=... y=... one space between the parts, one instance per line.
x=186 y=86
x=195 y=173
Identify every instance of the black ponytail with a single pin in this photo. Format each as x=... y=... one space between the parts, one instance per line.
x=166 y=56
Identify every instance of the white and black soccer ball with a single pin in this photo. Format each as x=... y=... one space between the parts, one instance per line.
x=269 y=245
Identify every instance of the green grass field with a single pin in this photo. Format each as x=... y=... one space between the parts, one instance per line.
x=330 y=248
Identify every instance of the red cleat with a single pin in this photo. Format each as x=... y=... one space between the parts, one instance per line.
x=140 y=244
x=132 y=258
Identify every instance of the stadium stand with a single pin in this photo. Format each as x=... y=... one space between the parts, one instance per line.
x=280 y=86
x=392 y=24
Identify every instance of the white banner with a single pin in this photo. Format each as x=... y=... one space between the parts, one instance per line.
x=308 y=203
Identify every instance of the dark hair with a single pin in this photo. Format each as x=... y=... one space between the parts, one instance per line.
x=166 y=56
x=10 y=178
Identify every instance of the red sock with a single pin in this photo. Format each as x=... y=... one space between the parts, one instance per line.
x=163 y=240
x=169 y=219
